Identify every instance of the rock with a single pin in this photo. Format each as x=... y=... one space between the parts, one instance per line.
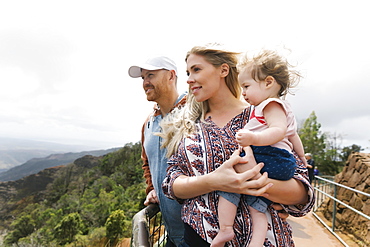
x=356 y=174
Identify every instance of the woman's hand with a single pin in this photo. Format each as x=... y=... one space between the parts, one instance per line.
x=249 y=181
x=225 y=178
x=281 y=212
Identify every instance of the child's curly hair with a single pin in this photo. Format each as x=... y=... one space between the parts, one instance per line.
x=270 y=63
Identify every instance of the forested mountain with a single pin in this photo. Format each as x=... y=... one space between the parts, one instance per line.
x=37 y=164
x=14 y=152
x=15 y=157
x=89 y=202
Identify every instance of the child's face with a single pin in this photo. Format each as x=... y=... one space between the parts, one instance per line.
x=253 y=92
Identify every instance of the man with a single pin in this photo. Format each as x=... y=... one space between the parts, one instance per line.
x=159 y=76
x=310 y=166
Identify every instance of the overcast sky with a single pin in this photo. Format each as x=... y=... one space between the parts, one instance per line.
x=63 y=64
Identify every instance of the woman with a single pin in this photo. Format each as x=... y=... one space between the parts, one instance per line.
x=203 y=161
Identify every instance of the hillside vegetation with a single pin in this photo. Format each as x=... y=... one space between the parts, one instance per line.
x=89 y=202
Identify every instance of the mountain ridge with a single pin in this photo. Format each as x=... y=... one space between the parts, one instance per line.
x=36 y=165
x=14 y=151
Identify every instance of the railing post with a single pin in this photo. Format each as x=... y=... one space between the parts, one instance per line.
x=329 y=189
x=334 y=209
x=141 y=226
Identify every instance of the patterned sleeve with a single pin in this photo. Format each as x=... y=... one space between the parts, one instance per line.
x=173 y=171
x=301 y=174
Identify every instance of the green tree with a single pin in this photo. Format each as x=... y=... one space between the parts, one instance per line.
x=312 y=139
x=133 y=200
x=332 y=146
x=50 y=218
x=68 y=228
x=59 y=187
x=22 y=227
x=346 y=151
x=115 y=225
x=330 y=163
x=124 y=165
x=328 y=156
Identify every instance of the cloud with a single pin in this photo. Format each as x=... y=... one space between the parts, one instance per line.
x=37 y=54
x=63 y=66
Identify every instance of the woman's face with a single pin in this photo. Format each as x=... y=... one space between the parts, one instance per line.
x=204 y=78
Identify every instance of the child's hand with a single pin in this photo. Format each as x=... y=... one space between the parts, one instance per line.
x=245 y=137
x=304 y=161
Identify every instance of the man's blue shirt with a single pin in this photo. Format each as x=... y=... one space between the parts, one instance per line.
x=171 y=209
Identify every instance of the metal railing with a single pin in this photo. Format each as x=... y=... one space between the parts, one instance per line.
x=326 y=188
x=148 y=229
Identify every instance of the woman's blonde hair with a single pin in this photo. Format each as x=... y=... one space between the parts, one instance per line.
x=180 y=123
x=270 y=63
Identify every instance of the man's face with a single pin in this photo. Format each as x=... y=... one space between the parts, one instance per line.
x=155 y=83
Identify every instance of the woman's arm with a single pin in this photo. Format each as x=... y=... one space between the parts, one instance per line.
x=289 y=192
x=250 y=182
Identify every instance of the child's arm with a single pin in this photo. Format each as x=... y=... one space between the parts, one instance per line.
x=275 y=118
x=298 y=147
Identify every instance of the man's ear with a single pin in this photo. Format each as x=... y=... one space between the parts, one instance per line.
x=224 y=70
x=172 y=75
x=269 y=81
